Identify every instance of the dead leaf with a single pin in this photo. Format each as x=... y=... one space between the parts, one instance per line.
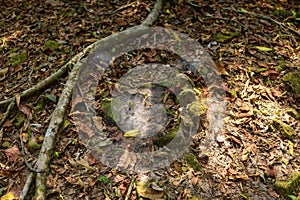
x=194 y=180
x=177 y=167
x=270 y=73
x=98 y=122
x=269 y=93
x=9 y=196
x=234 y=175
x=276 y=92
x=128 y=158
x=266 y=49
x=92 y=159
x=117 y=136
x=55 y=3
x=148 y=192
x=222 y=69
x=123 y=187
x=26 y=110
x=271 y=171
x=4 y=71
x=12 y=154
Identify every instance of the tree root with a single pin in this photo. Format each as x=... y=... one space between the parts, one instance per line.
x=60 y=109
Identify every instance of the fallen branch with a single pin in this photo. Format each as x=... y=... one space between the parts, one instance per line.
x=282 y=25
x=52 y=131
x=153 y=16
x=59 y=112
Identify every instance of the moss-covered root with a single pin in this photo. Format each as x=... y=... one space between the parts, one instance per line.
x=286 y=130
x=290 y=186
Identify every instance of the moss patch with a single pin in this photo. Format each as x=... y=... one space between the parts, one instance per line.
x=286 y=130
x=193 y=162
x=197 y=108
x=289 y=186
x=293 y=80
x=50 y=44
x=19 y=119
x=18 y=58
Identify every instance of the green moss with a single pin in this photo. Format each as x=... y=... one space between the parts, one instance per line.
x=284 y=128
x=111 y=116
x=19 y=119
x=32 y=145
x=39 y=106
x=289 y=186
x=293 y=80
x=50 y=44
x=193 y=162
x=197 y=108
x=18 y=58
x=6 y=144
x=167 y=138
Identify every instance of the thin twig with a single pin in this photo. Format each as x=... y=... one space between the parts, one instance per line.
x=10 y=107
x=26 y=187
x=130 y=189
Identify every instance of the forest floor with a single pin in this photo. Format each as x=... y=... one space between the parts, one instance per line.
x=258 y=59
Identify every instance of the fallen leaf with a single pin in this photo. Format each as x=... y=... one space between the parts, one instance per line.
x=271 y=73
x=12 y=154
x=148 y=192
x=26 y=110
x=269 y=93
x=8 y=196
x=194 y=180
x=132 y=133
x=265 y=49
x=92 y=159
x=222 y=69
x=3 y=71
x=127 y=159
x=55 y=3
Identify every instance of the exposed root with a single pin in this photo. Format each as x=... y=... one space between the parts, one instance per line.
x=59 y=112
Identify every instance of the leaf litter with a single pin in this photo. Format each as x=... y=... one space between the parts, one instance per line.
x=256 y=150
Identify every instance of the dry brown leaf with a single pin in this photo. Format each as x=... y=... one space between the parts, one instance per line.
x=85 y=129
x=270 y=94
x=147 y=192
x=222 y=69
x=248 y=114
x=12 y=154
x=92 y=159
x=194 y=180
x=128 y=158
x=98 y=122
x=4 y=71
x=26 y=110
x=276 y=92
x=270 y=73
